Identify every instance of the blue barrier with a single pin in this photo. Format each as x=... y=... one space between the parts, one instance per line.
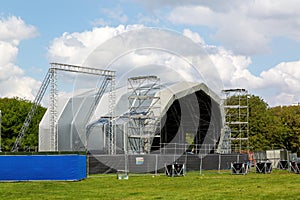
x=42 y=167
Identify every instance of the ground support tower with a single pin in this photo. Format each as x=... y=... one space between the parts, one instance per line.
x=144 y=113
x=237 y=117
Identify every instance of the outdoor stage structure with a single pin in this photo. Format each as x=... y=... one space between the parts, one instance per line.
x=155 y=103
x=139 y=128
x=113 y=121
x=143 y=100
x=135 y=126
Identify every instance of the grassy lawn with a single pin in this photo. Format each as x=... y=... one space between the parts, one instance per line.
x=209 y=185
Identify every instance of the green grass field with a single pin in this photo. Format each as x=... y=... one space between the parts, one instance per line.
x=209 y=185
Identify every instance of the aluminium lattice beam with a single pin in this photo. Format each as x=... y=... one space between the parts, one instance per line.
x=52 y=78
x=81 y=69
x=53 y=109
x=109 y=80
x=31 y=113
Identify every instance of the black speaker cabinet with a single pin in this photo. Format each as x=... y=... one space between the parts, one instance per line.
x=264 y=167
x=175 y=169
x=239 y=168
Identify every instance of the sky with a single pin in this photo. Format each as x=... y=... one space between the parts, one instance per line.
x=254 y=44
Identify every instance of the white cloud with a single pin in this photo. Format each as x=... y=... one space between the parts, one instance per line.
x=278 y=85
x=284 y=80
x=284 y=98
x=151 y=48
x=13 y=81
x=13 y=29
x=74 y=48
x=246 y=27
x=193 y=36
x=8 y=52
x=20 y=86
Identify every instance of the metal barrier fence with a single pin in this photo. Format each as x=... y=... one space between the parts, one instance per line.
x=180 y=148
x=155 y=163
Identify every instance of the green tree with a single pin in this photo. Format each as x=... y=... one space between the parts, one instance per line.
x=288 y=127
x=14 y=112
x=259 y=123
x=271 y=128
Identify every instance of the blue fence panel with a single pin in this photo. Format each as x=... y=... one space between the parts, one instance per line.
x=42 y=167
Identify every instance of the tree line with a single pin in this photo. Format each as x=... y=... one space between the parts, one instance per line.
x=269 y=127
x=14 y=112
x=273 y=127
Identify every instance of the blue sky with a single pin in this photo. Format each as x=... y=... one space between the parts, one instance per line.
x=255 y=44
x=51 y=19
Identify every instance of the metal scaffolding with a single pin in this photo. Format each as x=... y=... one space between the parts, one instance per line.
x=107 y=78
x=144 y=113
x=111 y=134
x=237 y=117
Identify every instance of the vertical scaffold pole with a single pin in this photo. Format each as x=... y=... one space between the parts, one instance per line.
x=53 y=109
x=112 y=102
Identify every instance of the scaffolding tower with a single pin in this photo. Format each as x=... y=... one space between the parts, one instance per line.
x=144 y=113
x=237 y=118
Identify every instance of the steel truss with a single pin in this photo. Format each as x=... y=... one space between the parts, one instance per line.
x=144 y=113
x=31 y=113
x=51 y=77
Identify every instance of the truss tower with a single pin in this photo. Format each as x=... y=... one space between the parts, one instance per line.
x=144 y=113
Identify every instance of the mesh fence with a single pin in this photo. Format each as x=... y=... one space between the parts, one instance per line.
x=101 y=164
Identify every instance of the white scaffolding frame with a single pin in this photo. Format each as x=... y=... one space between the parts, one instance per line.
x=237 y=117
x=144 y=113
